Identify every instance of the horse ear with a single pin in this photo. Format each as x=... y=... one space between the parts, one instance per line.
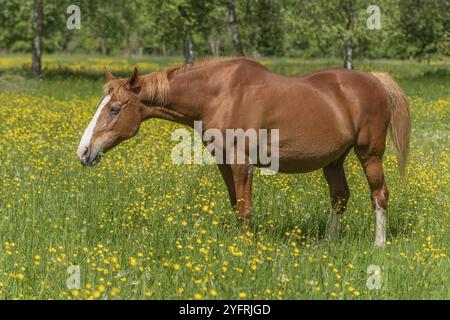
x=134 y=77
x=108 y=75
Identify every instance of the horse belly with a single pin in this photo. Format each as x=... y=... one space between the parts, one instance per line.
x=314 y=151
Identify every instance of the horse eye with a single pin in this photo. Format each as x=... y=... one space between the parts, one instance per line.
x=114 y=111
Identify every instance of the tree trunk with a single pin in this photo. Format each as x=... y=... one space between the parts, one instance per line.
x=189 y=51
x=351 y=16
x=234 y=27
x=37 y=40
x=103 y=47
x=164 y=47
x=129 y=46
x=348 y=54
x=217 y=46
x=214 y=45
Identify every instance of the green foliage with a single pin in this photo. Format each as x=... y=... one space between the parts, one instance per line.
x=262 y=22
x=308 y=28
x=425 y=25
x=15 y=25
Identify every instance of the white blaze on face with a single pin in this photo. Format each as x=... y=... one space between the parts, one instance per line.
x=86 y=139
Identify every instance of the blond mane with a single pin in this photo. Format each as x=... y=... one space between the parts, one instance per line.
x=155 y=85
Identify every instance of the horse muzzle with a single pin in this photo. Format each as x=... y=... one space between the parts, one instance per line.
x=89 y=157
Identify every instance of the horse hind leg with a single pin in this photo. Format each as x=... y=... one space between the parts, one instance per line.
x=373 y=169
x=339 y=192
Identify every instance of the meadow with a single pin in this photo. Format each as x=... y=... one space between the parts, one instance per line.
x=140 y=227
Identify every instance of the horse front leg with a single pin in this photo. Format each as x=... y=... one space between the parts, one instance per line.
x=243 y=179
x=227 y=175
x=340 y=193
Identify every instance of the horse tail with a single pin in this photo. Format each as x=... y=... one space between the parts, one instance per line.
x=400 y=124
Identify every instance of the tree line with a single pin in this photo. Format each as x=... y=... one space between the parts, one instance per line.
x=416 y=29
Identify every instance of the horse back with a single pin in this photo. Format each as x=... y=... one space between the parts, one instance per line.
x=359 y=94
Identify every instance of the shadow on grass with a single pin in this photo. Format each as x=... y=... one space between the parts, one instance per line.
x=312 y=226
x=60 y=73
x=438 y=73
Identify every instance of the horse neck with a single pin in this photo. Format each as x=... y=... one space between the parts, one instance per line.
x=190 y=94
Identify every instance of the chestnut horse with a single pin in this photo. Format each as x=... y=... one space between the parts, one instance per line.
x=320 y=117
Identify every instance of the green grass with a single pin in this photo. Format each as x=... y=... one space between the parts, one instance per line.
x=140 y=227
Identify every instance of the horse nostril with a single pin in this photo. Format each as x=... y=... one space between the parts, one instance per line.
x=85 y=152
x=84 y=155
